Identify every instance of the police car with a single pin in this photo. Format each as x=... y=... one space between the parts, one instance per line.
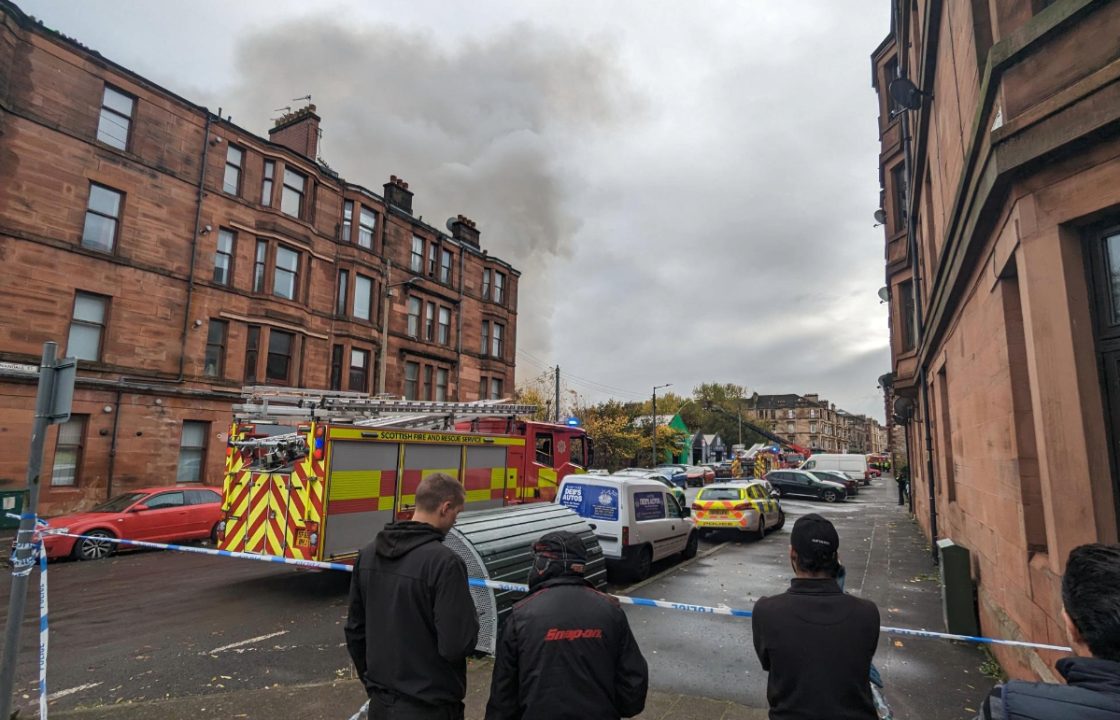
x=749 y=507
x=636 y=520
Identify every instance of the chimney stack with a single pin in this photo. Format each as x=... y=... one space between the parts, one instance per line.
x=398 y=195
x=812 y=398
x=464 y=230
x=298 y=131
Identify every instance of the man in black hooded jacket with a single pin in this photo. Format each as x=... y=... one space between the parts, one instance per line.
x=412 y=621
x=566 y=650
x=1091 y=596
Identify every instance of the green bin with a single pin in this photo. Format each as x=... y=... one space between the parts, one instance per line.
x=11 y=501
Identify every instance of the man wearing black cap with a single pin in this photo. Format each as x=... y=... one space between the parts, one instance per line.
x=814 y=640
x=566 y=650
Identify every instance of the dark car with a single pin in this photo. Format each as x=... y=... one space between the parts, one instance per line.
x=852 y=486
x=694 y=476
x=790 y=483
x=676 y=475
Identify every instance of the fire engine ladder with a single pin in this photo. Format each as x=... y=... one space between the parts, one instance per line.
x=292 y=405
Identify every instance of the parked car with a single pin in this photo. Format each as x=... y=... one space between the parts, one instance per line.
x=660 y=476
x=745 y=506
x=804 y=484
x=709 y=474
x=162 y=514
x=694 y=475
x=676 y=475
x=852 y=486
x=852 y=465
x=722 y=469
x=636 y=521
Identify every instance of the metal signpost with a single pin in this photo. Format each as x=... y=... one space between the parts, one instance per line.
x=52 y=406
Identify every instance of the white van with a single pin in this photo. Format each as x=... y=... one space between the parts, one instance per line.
x=854 y=466
x=636 y=521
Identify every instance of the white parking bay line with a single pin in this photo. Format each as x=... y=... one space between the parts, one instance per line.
x=70 y=691
x=250 y=641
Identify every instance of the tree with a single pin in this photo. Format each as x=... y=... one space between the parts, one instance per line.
x=536 y=392
x=612 y=434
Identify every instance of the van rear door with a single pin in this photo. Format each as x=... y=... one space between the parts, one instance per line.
x=599 y=503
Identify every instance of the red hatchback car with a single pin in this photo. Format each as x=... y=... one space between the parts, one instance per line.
x=156 y=514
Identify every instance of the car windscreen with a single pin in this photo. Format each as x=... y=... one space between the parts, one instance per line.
x=120 y=503
x=720 y=494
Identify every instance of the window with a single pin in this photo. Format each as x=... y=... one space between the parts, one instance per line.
x=672 y=507
x=544 y=449
x=486 y=284
x=789 y=427
x=347 y=219
x=252 y=350
x=363 y=297
x=116 y=118
x=359 y=370
x=291 y=199
x=202 y=497
x=445 y=267
x=577 y=451
x=898 y=187
x=499 y=287
x=812 y=427
x=279 y=364
x=908 y=321
x=414 y=317
x=336 y=367
x=427 y=389
x=367 y=223
x=343 y=292
x=496 y=345
x=430 y=322
x=103 y=213
x=416 y=261
x=441 y=385
x=266 y=184
x=790 y=414
x=259 y=265
x=231 y=183
x=68 y=451
x=223 y=258
x=192 y=454
x=87 y=326
x=285 y=276
x=215 y=362
x=495 y=388
x=444 y=326
x=411 y=376
x=485 y=337
x=165 y=500
x=433 y=250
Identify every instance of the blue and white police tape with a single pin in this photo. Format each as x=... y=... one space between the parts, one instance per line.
x=520 y=588
x=22 y=566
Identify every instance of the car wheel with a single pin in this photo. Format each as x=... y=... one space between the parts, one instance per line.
x=781 y=520
x=760 y=531
x=214 y=533
x=641 y=563
x=829 y=496
x=692 y=546
x=94 y=546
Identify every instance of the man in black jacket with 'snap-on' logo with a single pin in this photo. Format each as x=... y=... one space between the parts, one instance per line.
x=566 y=650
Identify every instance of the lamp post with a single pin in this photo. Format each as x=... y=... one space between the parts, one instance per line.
x=386 y=297
x=654 y=439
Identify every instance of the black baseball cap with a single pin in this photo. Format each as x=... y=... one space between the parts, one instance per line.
x=562 y=545
x=814 y=537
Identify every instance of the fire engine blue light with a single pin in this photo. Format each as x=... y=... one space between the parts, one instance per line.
x=572 y=421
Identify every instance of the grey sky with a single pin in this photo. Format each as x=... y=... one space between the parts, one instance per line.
x=687 y=188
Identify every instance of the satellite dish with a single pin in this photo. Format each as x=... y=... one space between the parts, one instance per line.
x=905 y=93
x=880 y=216
x=451 y=224
x=884 y=294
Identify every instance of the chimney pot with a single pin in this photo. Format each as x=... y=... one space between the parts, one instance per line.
x=398 y=195
x=298 y=131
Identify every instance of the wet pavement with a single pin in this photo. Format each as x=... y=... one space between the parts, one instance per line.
x=163 y=635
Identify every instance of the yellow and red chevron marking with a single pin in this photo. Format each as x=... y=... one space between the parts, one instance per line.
x=725 y=514
x=256 y=535
x=236 y=504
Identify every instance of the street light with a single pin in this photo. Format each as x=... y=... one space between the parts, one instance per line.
x=655 y=389
x=387 y=296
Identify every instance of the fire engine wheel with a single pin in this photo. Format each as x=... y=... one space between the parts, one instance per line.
x=692 y=546
x=641 y=564
x=94 y=546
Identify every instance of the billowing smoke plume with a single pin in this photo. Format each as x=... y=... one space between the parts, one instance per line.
x=476 y=127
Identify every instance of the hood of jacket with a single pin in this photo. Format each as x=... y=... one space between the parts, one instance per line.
x=1094 y=674
x=401 y=538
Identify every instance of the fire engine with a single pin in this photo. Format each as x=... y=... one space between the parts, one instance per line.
x=314 y=475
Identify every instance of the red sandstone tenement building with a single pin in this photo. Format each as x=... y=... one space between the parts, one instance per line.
x=179 y=256
x=1001 y=189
